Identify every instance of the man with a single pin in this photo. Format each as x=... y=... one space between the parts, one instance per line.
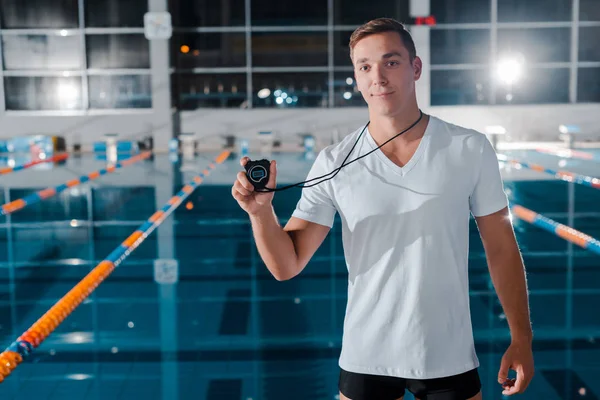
x=405 y=212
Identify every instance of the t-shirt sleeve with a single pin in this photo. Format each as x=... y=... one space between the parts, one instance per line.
x=316 y=202
x=488 y=195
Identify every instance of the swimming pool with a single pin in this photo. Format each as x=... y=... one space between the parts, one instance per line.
x=227 y=329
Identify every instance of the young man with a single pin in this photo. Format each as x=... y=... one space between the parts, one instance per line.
x=405 y=212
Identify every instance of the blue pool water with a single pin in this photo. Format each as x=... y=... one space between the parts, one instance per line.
x=227 y=329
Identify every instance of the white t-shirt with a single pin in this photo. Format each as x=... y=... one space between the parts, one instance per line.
x=405 y=235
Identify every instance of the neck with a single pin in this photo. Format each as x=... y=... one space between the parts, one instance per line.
x=384 y=127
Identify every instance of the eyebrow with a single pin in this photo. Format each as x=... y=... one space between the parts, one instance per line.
x=385 y=56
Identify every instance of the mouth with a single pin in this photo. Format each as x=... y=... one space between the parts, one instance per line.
x=382 y=95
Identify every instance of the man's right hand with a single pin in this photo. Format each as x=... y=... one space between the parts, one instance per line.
x=243 y=191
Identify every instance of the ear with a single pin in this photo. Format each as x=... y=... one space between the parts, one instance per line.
x=417 y=67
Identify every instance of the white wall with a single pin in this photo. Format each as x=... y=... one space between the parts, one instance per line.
x=523 y=123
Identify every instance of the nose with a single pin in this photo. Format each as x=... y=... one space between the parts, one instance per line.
x=379 y=77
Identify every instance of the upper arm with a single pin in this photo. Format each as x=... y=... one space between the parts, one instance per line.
x=307 y=237
x=497 y=234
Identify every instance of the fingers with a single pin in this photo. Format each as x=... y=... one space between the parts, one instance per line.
x=242 y=189
x=520 y=384
x=244 y=161
x=244 y=183
x=237 y=195
x=503 y=372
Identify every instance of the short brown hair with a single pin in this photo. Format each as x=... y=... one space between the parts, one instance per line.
x=381 y=25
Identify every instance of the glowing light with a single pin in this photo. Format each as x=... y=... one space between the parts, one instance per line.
x=185 y=49
x=264 y=93
x=67 y=91
x=78 y=377
x=347 y=95
x=349 y=81
x=189 y=205
x=509 y=71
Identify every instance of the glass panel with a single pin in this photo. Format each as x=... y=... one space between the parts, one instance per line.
x=118 y=51
x=210 y=90
x=534 y=10
x=589 y=50
x=536 y=45
x=65 y=206
x=194 y=50
x=292 y=49
x=286 y=13
x=588 y=85
x=341 y=50
x=108 y=238
x=460 y=87
x=50 y=243
x=537 y=86
x=207 y=13
x=461 y=11
x=351 y=12
x=122 y=91
x=346 y=93
x=52 y=14
x=286 y=90
x=41 y=52
x=115 y=13
x=42 y=93
x=589 y=10
x=123 y=203
x=463 y=46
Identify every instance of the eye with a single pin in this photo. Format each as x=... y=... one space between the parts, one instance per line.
x=393 y=63
x=364 y=68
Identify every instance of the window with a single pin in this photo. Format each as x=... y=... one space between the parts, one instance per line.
x=288 y=90
x=207 y=13
x=463 y=46
x=288 y=13
x=537 y=86
x=589 y=10
x=352 y=12
x=293 y=49
x=461 y=11
x=41 y=52
x=588 y=85
x=460 y=87
x=115 y=13
x=341 y=49
x=51 y=14
x=118 y=51
x=210 y=90
x=345 y=92
x=43 y=93
x=589 y=50
x=536 y=45
x=122 y=91
x=534 y=10
x=202 y=50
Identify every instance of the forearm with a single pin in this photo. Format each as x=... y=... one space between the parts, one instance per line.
x=509 y=279
x=274 y=245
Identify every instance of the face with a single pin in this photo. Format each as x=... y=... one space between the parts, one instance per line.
x=384 y=74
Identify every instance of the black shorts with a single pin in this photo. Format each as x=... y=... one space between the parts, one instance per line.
x=375 y=387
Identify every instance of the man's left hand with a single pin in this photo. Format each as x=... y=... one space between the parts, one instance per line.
x=519 y=358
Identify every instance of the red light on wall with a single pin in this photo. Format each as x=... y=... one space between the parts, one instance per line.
x=430 y=20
